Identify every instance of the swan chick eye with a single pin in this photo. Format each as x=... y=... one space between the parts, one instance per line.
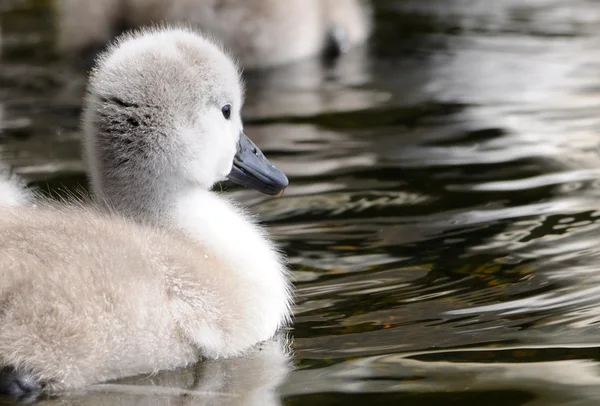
x=226 y=110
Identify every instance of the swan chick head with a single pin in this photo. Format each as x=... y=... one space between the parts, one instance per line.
x=163 y=114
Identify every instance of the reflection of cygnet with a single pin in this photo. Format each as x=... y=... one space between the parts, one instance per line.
x=251 y=380
x=260 y=33
x=172 y=271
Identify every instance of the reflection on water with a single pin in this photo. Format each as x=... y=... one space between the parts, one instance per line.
x=248 y=381
x=442 y=221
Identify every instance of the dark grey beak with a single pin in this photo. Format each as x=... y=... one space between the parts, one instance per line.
x=252 y=169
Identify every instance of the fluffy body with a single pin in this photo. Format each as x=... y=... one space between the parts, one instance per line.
x=87 y=297
x=159 y=271
x=12 y=189
x=260 y=33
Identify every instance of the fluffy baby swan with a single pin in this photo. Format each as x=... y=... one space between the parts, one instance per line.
x=166 y=271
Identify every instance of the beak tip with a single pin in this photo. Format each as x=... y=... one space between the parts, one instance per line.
x=279 y=194
x=282 y=184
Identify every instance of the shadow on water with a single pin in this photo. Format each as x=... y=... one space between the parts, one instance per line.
x=443 y=214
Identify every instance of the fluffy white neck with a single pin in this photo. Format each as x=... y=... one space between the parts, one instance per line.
x=220 y=227
x=224 y=228
x=226 y=231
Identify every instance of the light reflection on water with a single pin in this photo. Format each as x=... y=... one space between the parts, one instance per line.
x=441 y=222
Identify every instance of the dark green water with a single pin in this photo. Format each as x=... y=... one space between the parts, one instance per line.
x=442 y=219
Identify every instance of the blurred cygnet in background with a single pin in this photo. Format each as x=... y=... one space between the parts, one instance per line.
x=260 y=33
